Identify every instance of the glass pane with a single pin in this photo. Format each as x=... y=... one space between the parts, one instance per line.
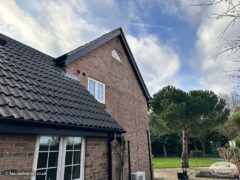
x=76 y=172
x=39 y=176
x=116 y=55
x=77 y=143
x=91 y=87
x=68 y=159
x=44 y=142
x=100 y=92
x=54 y=143
x=42 y=160
x=51 y=174
x=70 y=143
x=67 y=173
x=53 y=159
x=77 y=156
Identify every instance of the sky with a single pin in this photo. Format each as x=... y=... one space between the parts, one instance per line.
x=173 y=42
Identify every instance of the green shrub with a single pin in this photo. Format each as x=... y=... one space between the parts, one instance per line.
x=196 y=153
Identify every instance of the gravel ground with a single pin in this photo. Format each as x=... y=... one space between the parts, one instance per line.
x=171 y=173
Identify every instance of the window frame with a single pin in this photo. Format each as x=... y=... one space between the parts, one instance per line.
x=119 y=54
x=96 y=89
x=61 y=157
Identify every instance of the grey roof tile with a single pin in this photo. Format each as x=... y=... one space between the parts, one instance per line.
x=33 y=88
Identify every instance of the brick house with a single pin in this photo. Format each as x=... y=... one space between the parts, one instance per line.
x=63 y=117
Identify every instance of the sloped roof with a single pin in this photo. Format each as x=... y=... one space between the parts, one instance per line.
x=83 y=50
x=34 y=89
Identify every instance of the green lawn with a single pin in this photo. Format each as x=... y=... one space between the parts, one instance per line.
x=175 y=162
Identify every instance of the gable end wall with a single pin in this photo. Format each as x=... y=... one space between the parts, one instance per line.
x=125 y=100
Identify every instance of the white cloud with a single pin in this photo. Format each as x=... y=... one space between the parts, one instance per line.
x=75 y=23
x=56 y=27
x=209 y=73
x=209 y=43
x=158 y=63
x=17 y=23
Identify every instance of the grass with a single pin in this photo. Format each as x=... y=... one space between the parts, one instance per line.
x=175 y=162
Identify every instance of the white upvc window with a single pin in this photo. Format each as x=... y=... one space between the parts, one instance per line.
x=97 y=89
x=59 y=158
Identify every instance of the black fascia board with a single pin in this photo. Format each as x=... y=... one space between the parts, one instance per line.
x=92 y=45
x=60 y=61
x=79 y=52
x=135 y=67
x=10 y=125
x=76 y=54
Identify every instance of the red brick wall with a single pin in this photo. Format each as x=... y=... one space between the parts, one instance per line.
x=124 y=98
x=16 y=154
x=96 y=159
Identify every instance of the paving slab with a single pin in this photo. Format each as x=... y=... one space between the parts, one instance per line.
x=171 y=173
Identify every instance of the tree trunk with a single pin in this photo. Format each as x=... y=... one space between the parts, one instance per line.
x=195 y=145
x=184 y=156
x=203 y=148
x=164 y=150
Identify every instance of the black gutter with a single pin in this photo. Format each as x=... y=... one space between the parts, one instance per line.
x=110 y=139
x=32 y=123
x=23 y=129
x=150 y=155
x=129 y=162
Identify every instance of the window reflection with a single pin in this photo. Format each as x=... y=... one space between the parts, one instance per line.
x=73 y=158
x=48 y=157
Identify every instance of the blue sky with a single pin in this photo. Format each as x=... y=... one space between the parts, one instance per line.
x=172 y=41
